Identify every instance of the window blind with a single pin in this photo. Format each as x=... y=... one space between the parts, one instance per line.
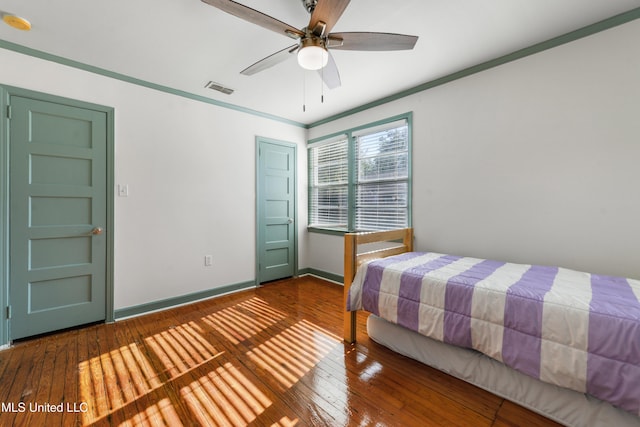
x=382 y=186
x=329 y=185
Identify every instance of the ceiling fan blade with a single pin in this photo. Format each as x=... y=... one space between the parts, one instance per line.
x=328 y=12
x=270 y=61
x=371 y=41
x=330 y=74
x=255 y=17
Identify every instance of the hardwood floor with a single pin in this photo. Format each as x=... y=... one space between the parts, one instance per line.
x=272 y=356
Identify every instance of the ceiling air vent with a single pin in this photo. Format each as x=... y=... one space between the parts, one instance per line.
x=219 y=88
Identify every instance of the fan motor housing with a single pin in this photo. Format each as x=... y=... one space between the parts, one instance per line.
x=310 y=5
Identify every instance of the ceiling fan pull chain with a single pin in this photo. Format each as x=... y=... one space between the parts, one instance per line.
x=324 y=52
x=304 y=91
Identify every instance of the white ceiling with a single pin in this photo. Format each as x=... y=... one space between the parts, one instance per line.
x=183 y=44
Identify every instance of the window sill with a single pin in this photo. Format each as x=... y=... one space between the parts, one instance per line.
x=330 y=231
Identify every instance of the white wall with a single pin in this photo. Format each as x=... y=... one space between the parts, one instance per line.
x=190 y=168
x=534 y=161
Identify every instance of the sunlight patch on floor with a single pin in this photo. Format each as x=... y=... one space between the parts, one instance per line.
x=292 y=353
x=197 y=376
x=225 y=398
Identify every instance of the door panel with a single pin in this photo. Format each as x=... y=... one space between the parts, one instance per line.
x=276 y=210
x=57 y=198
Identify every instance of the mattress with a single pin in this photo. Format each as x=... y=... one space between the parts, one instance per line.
x=562 y=405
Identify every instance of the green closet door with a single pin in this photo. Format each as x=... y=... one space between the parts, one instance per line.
x=276 y=210
x=57 y=216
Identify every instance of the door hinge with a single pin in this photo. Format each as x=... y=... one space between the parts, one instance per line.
x=8 y=312
x=9 y=112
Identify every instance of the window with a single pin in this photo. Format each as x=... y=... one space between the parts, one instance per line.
x=382 y=185
x=359 y=180
x=329 y=185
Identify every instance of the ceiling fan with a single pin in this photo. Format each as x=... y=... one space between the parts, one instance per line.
x=315 y=41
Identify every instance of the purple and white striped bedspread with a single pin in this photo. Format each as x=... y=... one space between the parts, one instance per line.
x=576 y=330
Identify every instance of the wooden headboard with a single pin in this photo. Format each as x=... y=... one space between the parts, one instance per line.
x=353 y=259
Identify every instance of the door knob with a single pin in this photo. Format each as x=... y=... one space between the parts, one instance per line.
x=290 y=221
x=96 y=231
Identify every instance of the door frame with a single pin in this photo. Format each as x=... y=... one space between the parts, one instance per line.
x=6 y=92
x=259 y=141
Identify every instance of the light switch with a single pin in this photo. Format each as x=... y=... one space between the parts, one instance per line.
x=123 y=190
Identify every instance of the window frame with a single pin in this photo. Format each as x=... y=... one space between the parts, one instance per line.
x=351 y=137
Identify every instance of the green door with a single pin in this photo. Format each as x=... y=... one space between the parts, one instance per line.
x=276 y=210
x=58 y=215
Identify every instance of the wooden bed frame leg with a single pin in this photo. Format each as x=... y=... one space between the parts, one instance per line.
x=350 y=327
x=350 y=250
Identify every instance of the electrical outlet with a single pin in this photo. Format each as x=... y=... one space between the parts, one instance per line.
x=208 y=260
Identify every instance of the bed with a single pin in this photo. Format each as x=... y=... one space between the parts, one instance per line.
x=563 y=343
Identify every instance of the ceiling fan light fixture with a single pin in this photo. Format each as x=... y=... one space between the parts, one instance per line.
x=312 y=54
